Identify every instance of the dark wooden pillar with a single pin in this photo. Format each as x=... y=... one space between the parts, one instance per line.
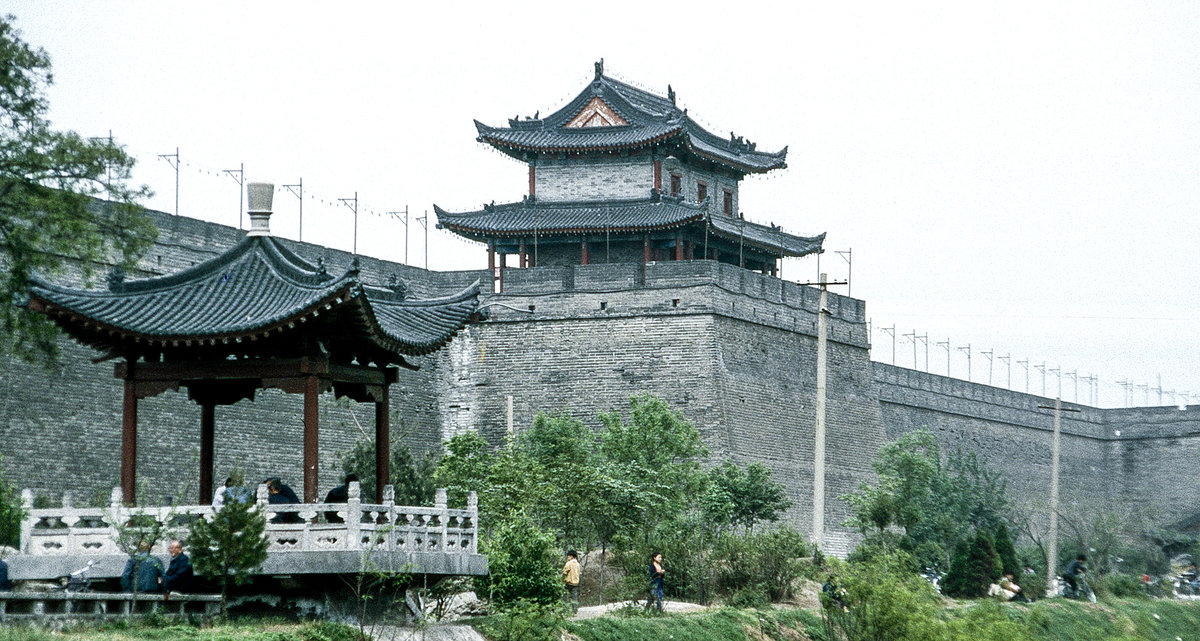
x=678 y=247
x=383 y=439
x=658 y=175
x=311 y=391
x=524 y=256
x=583 y=252
x=688 y=249
x=532 y=180
x=208 y=422
x=646 y=249
x=129 y=441
x=491 y=257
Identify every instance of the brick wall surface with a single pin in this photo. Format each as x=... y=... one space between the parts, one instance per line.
x=573 y=180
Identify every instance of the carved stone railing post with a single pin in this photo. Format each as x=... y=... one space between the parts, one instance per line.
x=260 y=496
x=354 y=516
x=439 y=502
x=473 y=508
x=389 y=517
x=27 y=522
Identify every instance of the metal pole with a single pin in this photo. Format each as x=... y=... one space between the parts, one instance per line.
x=1052 y=561
x=426 y=239
x=818 y=519
x=299 y=194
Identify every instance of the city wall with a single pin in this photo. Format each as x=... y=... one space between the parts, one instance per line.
x=733 y=350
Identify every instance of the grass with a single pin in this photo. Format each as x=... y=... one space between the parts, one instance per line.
x=727 y=624
x=169 y=630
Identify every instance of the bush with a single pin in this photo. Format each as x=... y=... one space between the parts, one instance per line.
x=524 y=565
x=524 y=621
x=974 y=567
x=887 y=602
x=1121 y=586
x=11 y=513
x=764 y=562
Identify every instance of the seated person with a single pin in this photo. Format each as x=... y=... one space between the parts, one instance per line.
x=143 y=572
x=339 y=494
x=179 y=575
x=1010 y=590
x=278 y=493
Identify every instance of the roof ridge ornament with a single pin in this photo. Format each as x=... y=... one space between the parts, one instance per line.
x=258 y=198
x=116 y=279
x=599 y=68
x=321 y=266
x=398 y=286
x=671 y=95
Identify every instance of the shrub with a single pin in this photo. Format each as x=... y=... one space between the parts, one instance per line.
x=887 y=602
x=974 y=567
x=766 y=562
x=525 y=621
x=1006 y=552
x=524 y=565
x=11 y=513
x=1122 y=586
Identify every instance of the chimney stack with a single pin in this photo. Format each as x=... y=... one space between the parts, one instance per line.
x=259 y=197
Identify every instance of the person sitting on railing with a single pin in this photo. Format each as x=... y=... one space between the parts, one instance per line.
x=233 y=490
x=179 y=572
x=143 y=573
x=339 y=494
x=278 y=493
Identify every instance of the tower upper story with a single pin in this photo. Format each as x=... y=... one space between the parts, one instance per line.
x=614 y=141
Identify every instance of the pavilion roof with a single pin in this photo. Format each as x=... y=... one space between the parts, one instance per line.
x=610 y=115
x=259 y=297
x=531 y=216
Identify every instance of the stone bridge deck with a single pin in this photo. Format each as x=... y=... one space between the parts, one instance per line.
x=377 y=537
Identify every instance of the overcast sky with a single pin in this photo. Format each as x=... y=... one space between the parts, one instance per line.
x=1018 y=177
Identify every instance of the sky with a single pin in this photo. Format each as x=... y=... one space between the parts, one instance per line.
x=1013 y=181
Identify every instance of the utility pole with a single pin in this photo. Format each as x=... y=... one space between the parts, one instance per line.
x=1025 y=364
x=913 y=336
x=1042 y=368
x=1007 y=358
x=848 y=255
x=925 y=340
x=241 y=181
x=818 y=518
x=891 y=332
x=298 y=191
x=1057 y=371
x=1052 y=555
x=946 y=344
x=107 y=166
x=173 y=161
x=347 y=202
x=989 y=355
x=1158 y=388
x=967 y=351
x=1074 y=376
x=424 y=220
x=397 y=215
x=509 y=403
x=1126 y=384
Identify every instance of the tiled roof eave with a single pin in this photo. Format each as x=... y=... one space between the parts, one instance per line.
x=507 y=144
x=571 y=231
x=72 y=319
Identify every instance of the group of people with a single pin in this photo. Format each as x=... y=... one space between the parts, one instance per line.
x=144 y=571
x=280 y=493
x=571 y=574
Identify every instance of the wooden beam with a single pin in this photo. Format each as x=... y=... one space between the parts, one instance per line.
x=129 y=444
x=383 y=441
x=311 y=391
x=208 y=423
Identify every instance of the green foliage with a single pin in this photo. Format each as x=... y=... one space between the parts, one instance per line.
x=887 y=602
x=463 y=467
x=49 y=183
x=524 y=621
x=1121 y=586
x=231 y=546
x=975 y=566
x=935 y=506
x=765 y=562
x=743 y=497
x=524 y=564
x=725 y=624
x=411 y=478
x=11 y=512
x=1006 y=552
x=174 y=629
x=987 y=620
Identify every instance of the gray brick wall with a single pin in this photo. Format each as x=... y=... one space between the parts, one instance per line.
x=573 y=180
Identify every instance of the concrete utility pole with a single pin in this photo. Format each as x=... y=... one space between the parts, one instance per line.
x=891 y=332
x=509 y=403
x=1025 y=364
x=1052 y=553
x=818 y=518
x=946 y=344
x=967 y=351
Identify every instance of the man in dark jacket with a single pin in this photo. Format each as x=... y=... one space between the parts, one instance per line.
x=143 y=573
x=339 y=494
x=1071 y=574
x=179 y=572
x=279 y=493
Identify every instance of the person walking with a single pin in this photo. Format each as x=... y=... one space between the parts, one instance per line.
x=570 y=574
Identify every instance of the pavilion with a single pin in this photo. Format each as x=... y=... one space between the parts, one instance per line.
x=258 y=316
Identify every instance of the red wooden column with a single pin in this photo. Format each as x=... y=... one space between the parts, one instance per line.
x=491 y=257
x=311 y=391
x=583 y=252
x=532 y=180
x=383 y=456
x=524 y=262
x=208 y=422
x=658 y=175
x=646 y=249
x=689 y=249
x=129 y=441
x=678 y=247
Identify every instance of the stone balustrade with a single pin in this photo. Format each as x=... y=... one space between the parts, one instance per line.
x=383 y=527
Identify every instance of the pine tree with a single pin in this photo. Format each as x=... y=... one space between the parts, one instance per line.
x=1006 y=552
x=231 y=546
x=974 y=567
